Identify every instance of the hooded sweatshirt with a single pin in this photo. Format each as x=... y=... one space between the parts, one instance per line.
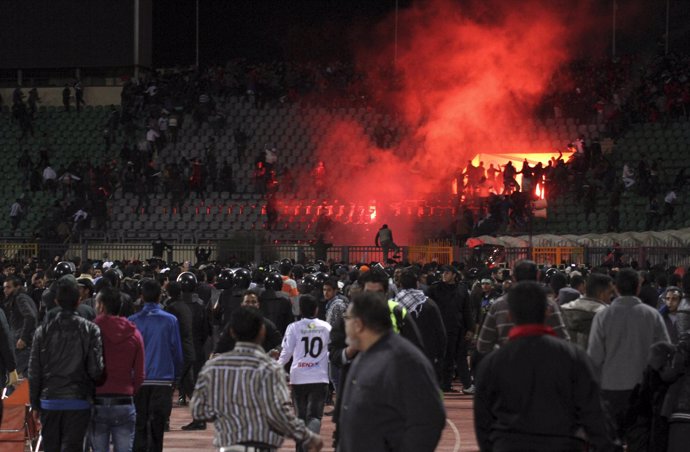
x=578 y=316
x=123 y=353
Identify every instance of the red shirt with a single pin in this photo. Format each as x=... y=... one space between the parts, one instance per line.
x=123 y=355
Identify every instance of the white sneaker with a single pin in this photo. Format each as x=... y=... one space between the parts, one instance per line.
x=469 y=391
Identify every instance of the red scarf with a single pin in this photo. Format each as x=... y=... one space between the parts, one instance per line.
x=530 y=329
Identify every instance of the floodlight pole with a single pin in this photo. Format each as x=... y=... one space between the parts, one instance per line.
x=668 y=14
x=613 y=43
x=395 y=43
x=136 y=39
x=197 y=34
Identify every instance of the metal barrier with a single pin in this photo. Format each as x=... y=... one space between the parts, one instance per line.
x=443 y=254
x=118 y=251
x=558 y=255
x=18 y=251
x=240 y=251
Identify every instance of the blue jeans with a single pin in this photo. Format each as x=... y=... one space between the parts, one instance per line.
x=116 y=422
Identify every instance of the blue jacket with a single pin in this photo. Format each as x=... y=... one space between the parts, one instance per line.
x=162 y=344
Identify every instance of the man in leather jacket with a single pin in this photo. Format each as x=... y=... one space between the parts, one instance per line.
x=66 y=361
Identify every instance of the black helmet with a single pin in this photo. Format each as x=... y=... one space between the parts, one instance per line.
x=224 y=279
x=548 y=274
x=64 y=268
x=298 y=271
x=242 y=278
x=187 y=281
x=285 y=267
x=322 y=266
x=259 y=274
x=320 y=279
x=273 y=281
x=309 y=283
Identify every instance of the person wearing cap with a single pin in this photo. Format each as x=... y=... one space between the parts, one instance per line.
x=86 y=291
x=453 y=300
x=66 y=362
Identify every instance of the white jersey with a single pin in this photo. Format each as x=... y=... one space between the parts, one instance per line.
x=306 y=342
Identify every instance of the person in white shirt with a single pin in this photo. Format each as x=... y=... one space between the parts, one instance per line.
x=16 y=214
x=49 y=178
x=306 y=342
x=152 y=137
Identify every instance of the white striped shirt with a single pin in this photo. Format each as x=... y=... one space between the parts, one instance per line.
x=244 y=392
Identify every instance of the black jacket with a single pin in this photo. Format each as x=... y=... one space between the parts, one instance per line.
x=677 y=400
x=273 y=338
x=201 y=324
x=390 y=400
x=184 y=320
x=535 y=393
x=205 y=291
x=66 y=359
x=454 y=303
x=47 y=300
x=228 y=301
x=277 y=309
x=7 y=360
x=427 y=317
x=23 y=316
x=337 y=345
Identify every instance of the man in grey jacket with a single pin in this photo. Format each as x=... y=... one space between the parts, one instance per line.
x=579 y=314
x=619 y=343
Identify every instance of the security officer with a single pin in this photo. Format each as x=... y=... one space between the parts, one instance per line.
x=275 y=305
x=201 y=331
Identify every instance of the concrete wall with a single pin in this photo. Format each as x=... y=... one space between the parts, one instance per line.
x=52 y=96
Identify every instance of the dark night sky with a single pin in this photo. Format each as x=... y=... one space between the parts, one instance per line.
x=323 y=29
x=87 y=33
x=261 y=29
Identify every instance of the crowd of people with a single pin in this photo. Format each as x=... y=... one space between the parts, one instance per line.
x=157 y=106
x=494 y=202
x=108 y=348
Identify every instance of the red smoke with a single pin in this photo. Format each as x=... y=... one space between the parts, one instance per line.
x=468 y=78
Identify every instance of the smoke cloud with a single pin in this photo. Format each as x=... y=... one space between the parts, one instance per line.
x=467 y=78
